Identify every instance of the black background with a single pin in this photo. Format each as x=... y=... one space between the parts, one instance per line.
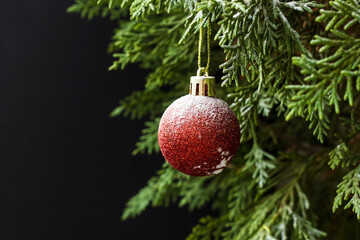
x=66 y=169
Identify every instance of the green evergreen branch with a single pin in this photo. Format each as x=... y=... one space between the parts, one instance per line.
x=245 y=48
x=142 y=41
x=143 y=8
x=261 y=162
x=238 y=194
x=245 y=109
x=142 y=103
x=160 y=191
x=208 y=228
x=349 y=187
x=326 y=76
x=149 y=139
x=261 y=221
x=93 y=8
x=342 y=155
x=265 y=218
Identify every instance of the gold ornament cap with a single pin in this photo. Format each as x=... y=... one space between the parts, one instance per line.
x=202 y=85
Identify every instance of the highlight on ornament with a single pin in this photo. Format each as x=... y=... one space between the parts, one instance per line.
x=198 y=133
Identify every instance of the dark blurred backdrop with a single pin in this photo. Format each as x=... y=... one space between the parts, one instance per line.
x=66 y=169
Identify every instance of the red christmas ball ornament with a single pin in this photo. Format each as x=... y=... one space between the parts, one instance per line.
x=198 y=133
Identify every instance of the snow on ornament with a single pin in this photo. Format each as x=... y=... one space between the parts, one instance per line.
x=198 y=133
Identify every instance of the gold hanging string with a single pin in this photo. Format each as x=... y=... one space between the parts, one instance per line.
x=206 y=69
x=200 y=44
x=208 y=45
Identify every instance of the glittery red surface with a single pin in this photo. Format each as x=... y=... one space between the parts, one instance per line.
x=199 y=135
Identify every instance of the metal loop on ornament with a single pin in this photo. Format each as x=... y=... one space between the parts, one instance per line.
x=202 y=70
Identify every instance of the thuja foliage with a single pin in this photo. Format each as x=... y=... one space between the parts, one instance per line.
x=291 y=72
